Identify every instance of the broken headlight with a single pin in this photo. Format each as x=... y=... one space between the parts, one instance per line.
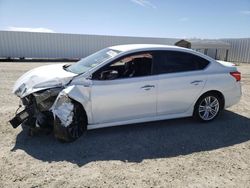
x=21 y=90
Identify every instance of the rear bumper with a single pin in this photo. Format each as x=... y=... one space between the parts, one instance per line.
x=233 y=95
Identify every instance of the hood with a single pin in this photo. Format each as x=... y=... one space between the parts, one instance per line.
x=40 y=78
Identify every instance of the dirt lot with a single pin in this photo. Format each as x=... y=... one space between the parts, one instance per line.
x=174 y=153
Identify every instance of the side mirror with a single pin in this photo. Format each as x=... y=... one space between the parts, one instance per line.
x=89 y=77
x=109 y=75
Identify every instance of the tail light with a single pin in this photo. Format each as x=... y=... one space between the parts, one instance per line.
x=236 y=75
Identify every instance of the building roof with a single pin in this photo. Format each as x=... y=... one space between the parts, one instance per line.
x=206 y=43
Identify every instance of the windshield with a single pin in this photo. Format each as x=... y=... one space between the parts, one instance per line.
x=92 y=61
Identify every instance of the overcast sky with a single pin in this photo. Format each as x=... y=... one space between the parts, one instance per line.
x=146 y=18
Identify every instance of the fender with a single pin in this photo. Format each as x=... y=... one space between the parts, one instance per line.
x=79 y=93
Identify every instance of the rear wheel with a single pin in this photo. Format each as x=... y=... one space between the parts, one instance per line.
x=208 y=107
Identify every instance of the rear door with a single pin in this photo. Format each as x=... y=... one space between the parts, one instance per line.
x=180 y=80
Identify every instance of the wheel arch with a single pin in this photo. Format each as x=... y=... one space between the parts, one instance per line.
x=81 y=95
x=79 y=105
x=216 y=92
x=68 y=112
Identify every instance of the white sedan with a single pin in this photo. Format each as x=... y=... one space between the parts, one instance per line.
x=123 y=85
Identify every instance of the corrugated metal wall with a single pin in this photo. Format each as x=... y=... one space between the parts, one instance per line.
x=221 y=54
x=239 y=51
x=56 y=45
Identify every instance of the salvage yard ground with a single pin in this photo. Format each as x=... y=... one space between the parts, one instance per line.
x=178 y=153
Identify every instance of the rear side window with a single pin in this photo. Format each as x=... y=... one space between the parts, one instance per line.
x=173 y=61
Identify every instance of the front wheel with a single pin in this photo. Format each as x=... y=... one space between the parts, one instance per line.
x=77 y=127
x=208 y=107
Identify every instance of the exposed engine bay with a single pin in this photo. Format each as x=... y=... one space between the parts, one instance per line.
x=51 y=103
x=52 y=110
x=37 y=112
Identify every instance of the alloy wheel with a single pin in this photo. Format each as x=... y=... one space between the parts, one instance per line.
x=209 y=108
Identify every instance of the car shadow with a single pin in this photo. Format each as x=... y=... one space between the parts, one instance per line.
x=145 y=141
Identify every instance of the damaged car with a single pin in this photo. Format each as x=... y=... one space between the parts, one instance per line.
x=122 y=85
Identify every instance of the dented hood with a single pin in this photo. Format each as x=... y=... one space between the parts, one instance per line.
x=40 y=78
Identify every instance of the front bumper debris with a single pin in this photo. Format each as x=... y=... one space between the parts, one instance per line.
x=37 y=113
x=20 y=117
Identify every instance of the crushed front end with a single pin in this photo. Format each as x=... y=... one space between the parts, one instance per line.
x=36 y=113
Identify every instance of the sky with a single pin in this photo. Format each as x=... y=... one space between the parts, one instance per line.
x=210 y=19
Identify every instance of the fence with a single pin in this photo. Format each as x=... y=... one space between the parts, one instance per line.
x=239 y=50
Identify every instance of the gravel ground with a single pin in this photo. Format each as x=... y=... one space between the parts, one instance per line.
x=173 y=153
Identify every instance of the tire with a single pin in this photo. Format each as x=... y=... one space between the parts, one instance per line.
x=208 y=107
x=75 y=129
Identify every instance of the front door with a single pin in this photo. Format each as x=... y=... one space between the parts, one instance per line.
x=124 y=90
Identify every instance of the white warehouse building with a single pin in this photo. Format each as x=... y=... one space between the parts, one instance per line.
x=15 y=44
x=57 y=45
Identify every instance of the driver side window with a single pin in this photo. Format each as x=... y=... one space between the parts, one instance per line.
x=127 y=67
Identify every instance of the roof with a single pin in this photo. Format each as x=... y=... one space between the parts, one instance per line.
x=206 y=43
x=129 y=47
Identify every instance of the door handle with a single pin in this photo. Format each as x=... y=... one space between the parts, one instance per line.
x=196 y=82
x=147 y=87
